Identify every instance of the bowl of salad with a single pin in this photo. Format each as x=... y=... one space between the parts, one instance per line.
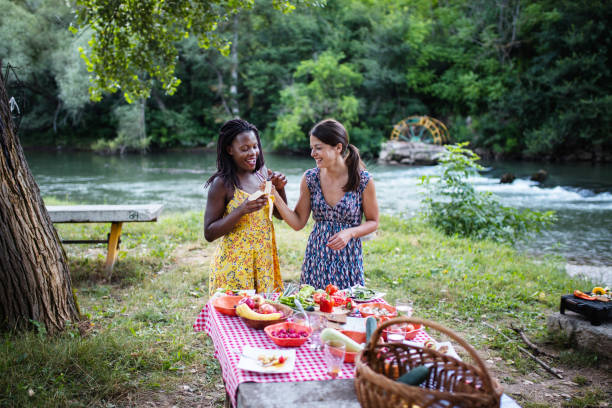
x=361 y=294
x=376 y=309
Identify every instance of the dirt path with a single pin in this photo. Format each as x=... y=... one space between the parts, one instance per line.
x=580 y=387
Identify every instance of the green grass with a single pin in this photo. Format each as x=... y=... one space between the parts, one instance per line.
x=141 y=336
x=142 y=341
x=592 y=398
x=462 y=282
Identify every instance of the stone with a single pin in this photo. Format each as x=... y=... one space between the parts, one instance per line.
x=582 y=333
x=539 y=176
x=321 y=394
x=600 y=275
x=339 y=393
x=410 y=153
x=507 y=178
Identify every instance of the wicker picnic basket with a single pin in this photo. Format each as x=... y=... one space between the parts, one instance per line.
x=450 y=382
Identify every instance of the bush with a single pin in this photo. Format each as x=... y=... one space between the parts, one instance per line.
x=131 y=133
x=455 y=207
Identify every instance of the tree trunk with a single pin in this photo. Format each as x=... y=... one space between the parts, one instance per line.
x=220 y=87
x=142 y=124
x=35 y=282
x=234 y=71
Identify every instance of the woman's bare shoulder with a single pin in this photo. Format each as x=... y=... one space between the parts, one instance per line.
x=218 y=188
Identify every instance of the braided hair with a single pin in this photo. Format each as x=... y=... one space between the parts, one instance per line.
x=332 y=132
x=226 y=168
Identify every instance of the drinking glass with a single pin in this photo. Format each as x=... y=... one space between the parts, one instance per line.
x=317 y=323
x=404 y=307
x=333 y=354
x=299 y=318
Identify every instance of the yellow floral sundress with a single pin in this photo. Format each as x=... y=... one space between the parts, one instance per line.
x=246 y=257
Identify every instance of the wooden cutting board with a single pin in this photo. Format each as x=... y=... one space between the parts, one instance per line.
x=338 y=316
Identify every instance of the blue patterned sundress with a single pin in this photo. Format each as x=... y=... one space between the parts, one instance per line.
x=322 y=265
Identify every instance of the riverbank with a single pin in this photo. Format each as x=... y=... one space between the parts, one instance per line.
x=141 y=348
x=601 y=275
x=488 y=155
x=578 y=156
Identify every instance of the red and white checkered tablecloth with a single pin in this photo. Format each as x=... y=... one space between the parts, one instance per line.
x=229 y=334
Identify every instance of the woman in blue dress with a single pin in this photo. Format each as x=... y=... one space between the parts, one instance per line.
x=340 y=193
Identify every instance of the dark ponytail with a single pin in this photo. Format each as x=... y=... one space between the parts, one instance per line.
x=354 y=164
x=332 y=132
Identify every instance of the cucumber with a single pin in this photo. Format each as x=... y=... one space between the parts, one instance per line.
x=329 y=334
x=370 y=327
x=415 y=376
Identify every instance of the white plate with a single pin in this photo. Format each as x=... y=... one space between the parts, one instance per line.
x=450 y=350
x=249 y=292
x=377 y=295
x=248 y=361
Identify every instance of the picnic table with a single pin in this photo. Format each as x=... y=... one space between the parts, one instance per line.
x=308 y=385
x=114 y=214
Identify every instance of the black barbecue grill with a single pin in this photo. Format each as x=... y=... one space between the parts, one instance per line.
x=595 y=311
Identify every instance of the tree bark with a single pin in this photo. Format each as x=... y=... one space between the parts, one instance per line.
x=142 y=124
x=220 y=87
x=234 y=70
x=35 y=283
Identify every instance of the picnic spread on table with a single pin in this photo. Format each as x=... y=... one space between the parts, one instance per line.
x=275 y=337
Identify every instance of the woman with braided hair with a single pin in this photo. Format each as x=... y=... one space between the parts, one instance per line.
x=339 y=192
x=246 y=257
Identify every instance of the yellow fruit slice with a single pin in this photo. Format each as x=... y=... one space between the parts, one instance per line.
x=256 y=195
x=243 y=310
x=268 y=191
x=598 y=291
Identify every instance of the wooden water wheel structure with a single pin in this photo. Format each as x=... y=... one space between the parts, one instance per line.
x=422 y=129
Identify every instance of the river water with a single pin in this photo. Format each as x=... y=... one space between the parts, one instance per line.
x=581 y=194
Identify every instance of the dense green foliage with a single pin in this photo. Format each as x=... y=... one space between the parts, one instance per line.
x=519 y=78
x=454 y=206
x=134 y=42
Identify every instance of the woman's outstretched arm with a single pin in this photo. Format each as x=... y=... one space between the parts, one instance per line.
x=370 y=212
x=298 y=217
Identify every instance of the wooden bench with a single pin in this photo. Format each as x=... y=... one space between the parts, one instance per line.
x=115 y=214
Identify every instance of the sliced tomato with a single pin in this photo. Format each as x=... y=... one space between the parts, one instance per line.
x=339 y=300
x=331 y=289
x=317 y=297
